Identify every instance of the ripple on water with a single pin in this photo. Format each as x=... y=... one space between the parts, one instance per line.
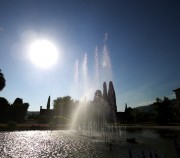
x=63 y=144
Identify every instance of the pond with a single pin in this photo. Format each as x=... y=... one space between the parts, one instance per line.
x=65 y=143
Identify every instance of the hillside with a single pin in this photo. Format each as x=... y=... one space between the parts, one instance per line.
x=150 y=108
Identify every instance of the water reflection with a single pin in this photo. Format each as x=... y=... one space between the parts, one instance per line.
x=63 y=144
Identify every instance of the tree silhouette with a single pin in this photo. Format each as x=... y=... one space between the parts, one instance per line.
x=18 y=101
x=125 y=107
x=48 y=103
x=4 y=110
x=164 y=111
x=2 y=81
x=129 y=114
x=18 y=110
x=63 y=106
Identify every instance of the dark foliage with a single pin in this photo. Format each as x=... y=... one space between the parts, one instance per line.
x=18 y=101
x=2 y=81
x=63 y=106
x=4 y=110
x=164 y=111
x=161 y=112
x=18 y=110
x=129 y=115
x=48 y=103
x=11 y=125
x=15 y=112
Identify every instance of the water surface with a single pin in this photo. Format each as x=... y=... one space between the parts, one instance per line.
x=35 y=144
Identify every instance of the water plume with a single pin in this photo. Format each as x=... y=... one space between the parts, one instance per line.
x=106 y=37
x=76 y=72
x=96 y=57
x=85 y=72
x=106 y=62
x=75 y=84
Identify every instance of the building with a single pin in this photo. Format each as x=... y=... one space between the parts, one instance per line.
x=177 y=92
x=46 y=114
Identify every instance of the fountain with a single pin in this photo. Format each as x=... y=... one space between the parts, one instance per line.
x=96 y=118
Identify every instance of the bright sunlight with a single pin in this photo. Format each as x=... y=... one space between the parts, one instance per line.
x=43 y=53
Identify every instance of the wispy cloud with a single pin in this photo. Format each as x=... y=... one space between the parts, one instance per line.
x=2 y=29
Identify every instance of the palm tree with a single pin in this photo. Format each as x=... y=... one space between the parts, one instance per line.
x=2 y=81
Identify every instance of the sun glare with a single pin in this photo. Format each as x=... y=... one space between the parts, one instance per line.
x=43 y=53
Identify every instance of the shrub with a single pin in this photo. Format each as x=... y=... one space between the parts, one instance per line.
x=11 y=125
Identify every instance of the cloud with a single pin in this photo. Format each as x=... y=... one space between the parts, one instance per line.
x=2 y=29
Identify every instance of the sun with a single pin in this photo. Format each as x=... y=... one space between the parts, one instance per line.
x=43 y=53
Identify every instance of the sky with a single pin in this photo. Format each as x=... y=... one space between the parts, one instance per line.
x=136 y=44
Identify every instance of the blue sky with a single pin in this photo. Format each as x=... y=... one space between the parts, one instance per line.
x=143 y=46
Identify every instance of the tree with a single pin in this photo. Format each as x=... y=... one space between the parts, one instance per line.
x=125 y=107
x=130 y=114
x=158 y=100
x=2 y=81
x=18 y=101
x=164 y=111
x=4 y=110
x=176 y=113
x=18 y=110
x=48 y=103
x=63 y=106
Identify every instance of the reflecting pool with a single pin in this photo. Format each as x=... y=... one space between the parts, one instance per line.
x=62 y=143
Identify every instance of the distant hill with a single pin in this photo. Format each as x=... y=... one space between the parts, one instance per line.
x=147 y=108
x=150 y=108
